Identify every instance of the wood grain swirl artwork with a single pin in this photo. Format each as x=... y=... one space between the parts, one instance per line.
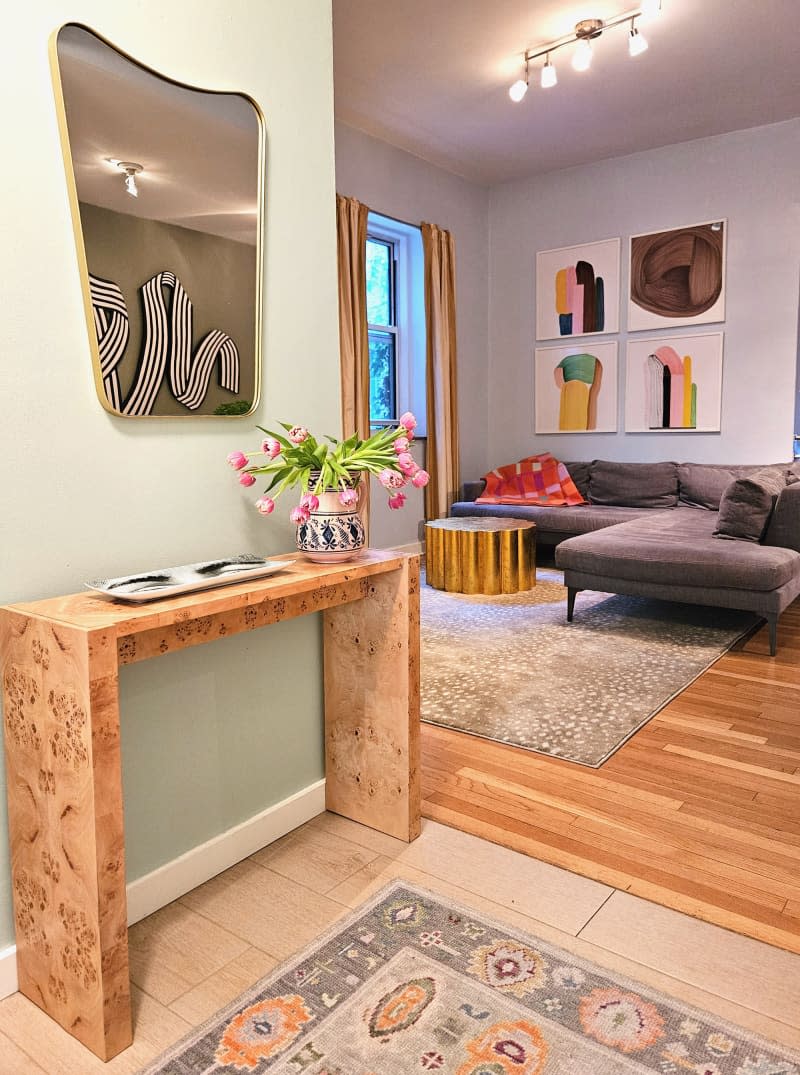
x=166 y=352
x=677 y=276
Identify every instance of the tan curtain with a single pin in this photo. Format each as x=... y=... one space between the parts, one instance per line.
x=351 y=232
x=441 y=456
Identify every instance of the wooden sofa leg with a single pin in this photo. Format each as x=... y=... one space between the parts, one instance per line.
x=772 y=620
x=571 y=594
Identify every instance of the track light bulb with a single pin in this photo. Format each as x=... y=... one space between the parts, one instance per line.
x=549 y=76
x=518 y=90
x=637 y=44
x=582 y=56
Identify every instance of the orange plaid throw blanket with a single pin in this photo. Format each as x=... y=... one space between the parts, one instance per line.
x=539 y=479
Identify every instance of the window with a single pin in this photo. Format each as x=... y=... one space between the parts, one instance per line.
x=396 y=316
x=382 y=318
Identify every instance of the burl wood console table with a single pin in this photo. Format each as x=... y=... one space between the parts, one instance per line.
x=60 y=680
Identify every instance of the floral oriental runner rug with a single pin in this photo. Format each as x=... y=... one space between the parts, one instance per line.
x=411 y=983
x=510 y=667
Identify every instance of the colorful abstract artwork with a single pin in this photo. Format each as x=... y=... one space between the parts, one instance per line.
x=577 y=290
x=576 y=388
x=674 y=384
x=677 y=277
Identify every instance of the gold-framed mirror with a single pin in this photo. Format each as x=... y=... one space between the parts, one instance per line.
x=166 y=184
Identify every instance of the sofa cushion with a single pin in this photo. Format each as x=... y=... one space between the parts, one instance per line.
x=702 y=486
x=556 y=521
x=678 y=548
x=580 y=474
x=784 y=524
x=634 y=485
x=747 y=504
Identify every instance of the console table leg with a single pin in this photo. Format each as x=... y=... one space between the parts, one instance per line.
x=372 y=705
x=65 y=813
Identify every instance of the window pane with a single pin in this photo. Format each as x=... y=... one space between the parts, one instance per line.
x=379 y=279
x=381 y=376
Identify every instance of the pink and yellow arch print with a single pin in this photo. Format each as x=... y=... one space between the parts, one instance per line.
x=673 y=384
x=670 y=394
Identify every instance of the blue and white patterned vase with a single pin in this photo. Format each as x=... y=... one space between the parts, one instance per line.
x=333 y=533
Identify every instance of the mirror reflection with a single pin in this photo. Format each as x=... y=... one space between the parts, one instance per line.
x=167 y=203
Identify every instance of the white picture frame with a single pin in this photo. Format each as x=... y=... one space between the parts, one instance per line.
x=590 y=405
x=651 y=369
x=671 y=249
x=559 y=289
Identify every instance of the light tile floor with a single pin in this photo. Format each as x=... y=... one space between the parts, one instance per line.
x=195 y=956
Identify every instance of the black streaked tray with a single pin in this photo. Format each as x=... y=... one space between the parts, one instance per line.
x=172 y=581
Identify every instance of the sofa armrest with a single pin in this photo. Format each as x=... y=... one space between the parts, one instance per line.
x=472 y=490
x=784 y=526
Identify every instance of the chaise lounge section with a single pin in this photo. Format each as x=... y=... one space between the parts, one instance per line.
x=659 y=536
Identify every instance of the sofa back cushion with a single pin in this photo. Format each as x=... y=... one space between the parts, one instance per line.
x=747 y=504
x=580 y=474
x=634 y=485
x=702 y=486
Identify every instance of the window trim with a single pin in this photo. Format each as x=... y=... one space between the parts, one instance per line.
x=409 y=315
x=391 y=329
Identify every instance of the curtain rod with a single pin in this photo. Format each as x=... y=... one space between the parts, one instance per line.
x=396 y=219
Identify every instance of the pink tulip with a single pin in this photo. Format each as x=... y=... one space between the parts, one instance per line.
x=401 y=445
x=420 y=479
x=237 y=460
x=266 y=505
x=407 y=464
x=408 y=421
x=247 y=480
x=299 y=515
x=297 y=434
x=271 y=447
x=348 y=497
x=390 y=479
x=397 y=501
x=309 y=502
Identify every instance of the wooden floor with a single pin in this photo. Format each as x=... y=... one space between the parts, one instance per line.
x=699 y=811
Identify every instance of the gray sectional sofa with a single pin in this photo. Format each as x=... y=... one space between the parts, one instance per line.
x=650 y=529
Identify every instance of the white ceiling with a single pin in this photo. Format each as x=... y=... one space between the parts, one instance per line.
x=433 y=78
x=199 y=150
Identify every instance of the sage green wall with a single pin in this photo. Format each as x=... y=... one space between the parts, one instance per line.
x=215 y=734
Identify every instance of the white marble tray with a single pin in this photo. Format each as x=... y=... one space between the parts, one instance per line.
x=171 y=581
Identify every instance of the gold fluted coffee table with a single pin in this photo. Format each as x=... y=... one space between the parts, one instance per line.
x=480 y=554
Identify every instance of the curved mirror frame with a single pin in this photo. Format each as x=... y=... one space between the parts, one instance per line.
x=166 y=188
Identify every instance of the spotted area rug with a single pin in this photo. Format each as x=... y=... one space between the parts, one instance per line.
x=510 y=668
x=411 y=983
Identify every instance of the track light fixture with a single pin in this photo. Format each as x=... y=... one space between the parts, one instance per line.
x=549 y=76
x=582 y=36
x=637 y=43
x=520 y=87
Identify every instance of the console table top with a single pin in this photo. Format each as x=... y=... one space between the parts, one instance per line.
x=93 y=612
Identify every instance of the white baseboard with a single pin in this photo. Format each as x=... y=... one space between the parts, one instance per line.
x=412 y=546
x=8 y=971
x=174 y=879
